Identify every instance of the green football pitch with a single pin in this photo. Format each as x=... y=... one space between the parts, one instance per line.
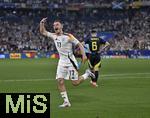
x=123 y=92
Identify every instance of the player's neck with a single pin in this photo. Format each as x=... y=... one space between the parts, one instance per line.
x=60 y=33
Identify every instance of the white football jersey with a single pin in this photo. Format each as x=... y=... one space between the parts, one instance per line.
x=64 y=44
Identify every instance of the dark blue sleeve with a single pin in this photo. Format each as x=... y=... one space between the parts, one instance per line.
x=102 y=41
x=86 y=40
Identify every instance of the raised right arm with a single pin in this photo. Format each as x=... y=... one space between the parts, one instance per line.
x=43 y=30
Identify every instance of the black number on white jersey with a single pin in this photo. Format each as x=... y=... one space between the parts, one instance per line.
x=59 y=44
x=72 y=74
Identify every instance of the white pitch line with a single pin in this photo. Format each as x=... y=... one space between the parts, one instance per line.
x=129 y=77
x=124 y=74
x=109 y=76
x=25 y=80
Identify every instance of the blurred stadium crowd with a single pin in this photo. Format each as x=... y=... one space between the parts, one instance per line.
x=59 y=2
x=19 y=29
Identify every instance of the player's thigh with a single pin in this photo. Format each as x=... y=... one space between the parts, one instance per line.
x=61 y=72
x=73 y=73
x=97 y=64
x=91 y=61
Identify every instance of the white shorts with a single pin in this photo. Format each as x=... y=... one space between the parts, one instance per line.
x=66 y=72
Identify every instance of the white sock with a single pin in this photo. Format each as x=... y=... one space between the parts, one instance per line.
x=64 y=96
x=85 y=76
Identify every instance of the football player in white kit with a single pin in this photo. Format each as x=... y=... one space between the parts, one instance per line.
x=67 y=64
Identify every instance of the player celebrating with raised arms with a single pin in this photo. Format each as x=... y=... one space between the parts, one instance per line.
x=67 y=63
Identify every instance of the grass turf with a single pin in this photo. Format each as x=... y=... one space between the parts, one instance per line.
x=124 y=90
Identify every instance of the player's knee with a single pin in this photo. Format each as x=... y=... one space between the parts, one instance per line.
x=75 y=83
x=92 y=69
x=61 y=82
